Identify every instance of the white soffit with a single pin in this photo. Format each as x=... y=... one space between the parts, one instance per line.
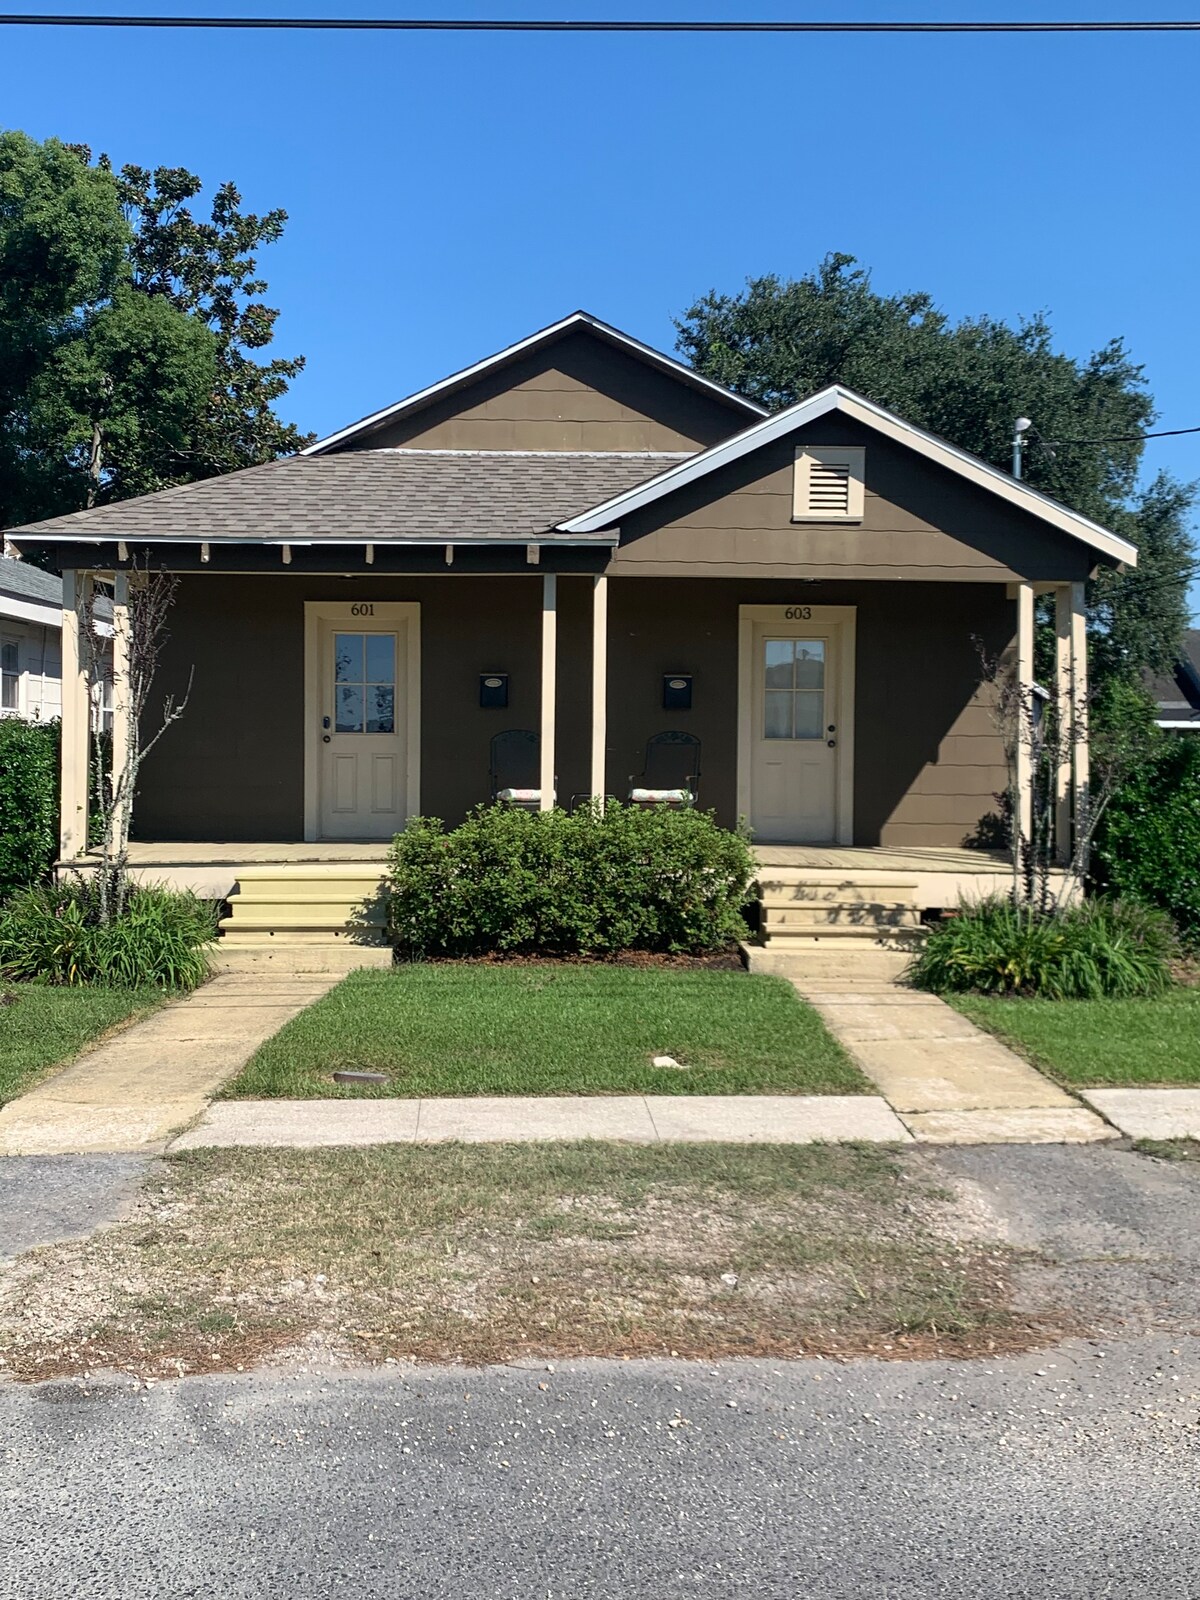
x=849 y=404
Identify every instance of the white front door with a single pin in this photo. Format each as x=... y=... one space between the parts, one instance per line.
x=363 y=759
x=794 y=737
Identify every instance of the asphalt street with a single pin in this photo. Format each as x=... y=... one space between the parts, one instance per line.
x=1073 y=1472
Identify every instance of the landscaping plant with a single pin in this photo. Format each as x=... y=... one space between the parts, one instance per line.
x=28 y=802
x=55 y=934
x=1148 y=848
x=593 y=882
x=1100 y=949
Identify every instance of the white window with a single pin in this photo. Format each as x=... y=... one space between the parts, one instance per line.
x=828 y=483
x=10 y=678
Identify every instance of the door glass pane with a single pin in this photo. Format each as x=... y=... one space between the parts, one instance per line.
x=809 y=715
x=381 y=658
x=777 y=714
x=380 y=708
x=348 y=657
x=349 y=718
x=777 y=663
x=810 y=664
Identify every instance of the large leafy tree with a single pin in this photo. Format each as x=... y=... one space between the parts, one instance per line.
x=968 y=381
x=126 y=332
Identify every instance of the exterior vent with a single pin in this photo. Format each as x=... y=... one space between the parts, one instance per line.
x=828 y=483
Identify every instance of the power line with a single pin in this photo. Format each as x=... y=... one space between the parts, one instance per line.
x=549 y=25
x=1121 y=438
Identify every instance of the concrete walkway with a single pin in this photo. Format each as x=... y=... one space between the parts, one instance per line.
x=142 y=1085
x=950 y=1082
x=638 y=1119
x=1149 y=1113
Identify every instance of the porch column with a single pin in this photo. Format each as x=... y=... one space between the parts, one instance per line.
x=1064 y=723
x=599 y=684
x=1079 y=702
x=121 y=702
x=1024 y=795
x=549 y=687
x=76 y=718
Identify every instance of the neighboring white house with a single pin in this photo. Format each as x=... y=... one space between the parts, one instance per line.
x=31 y=645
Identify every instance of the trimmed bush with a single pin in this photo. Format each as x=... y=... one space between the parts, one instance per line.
x=1148 y=846
x=591 y=882
x=28 y=802
x=1102 y=949
x=53 y=934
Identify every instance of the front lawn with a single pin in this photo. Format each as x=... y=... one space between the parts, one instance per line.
x=546 y=1028
x=1095 y=1042
x=41 y=1027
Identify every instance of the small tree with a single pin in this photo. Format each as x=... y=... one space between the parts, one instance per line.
x=114 y=783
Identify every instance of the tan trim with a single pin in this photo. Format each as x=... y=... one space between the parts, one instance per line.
x=76 y=720
x=577 y=319
x=121 y=697
x=549 y=688
x=599 y=684
x=347 y=611
x=1024 y=752
x=845 y=620
x=847 y=403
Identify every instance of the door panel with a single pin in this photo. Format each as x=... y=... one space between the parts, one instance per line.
x=793 y=737
x=363 y=766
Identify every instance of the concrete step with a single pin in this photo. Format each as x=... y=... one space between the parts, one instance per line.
x=317 y=893
x=250 y=957
x=266 y=933
x=828 y=938
x=841 y=894
x=331 y=913
x=823 y=918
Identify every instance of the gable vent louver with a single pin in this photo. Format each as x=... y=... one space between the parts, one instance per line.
x=828 y=483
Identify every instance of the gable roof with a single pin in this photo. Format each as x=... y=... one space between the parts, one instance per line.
x=1177 y=694
x=396 y=496
x=534 y=341
x=28 y=582
x=836 y=398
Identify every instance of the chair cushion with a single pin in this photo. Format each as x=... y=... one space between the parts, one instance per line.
x=519 y=794
x=660 y=796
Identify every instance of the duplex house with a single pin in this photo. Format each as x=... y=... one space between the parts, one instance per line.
x=583 y=542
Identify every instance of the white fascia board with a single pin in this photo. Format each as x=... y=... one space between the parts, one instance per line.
x=577 y=319
x=835 y=398
x=1164 y=722
x=41 y=611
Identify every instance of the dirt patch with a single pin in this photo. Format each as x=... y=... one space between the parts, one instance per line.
x=482 y=1254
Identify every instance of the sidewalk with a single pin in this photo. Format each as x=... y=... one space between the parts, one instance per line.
x=144 y=1084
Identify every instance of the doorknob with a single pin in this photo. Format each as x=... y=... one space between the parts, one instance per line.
x=325 y=738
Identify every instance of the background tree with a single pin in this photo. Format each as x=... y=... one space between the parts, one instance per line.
x=968 y=381
x=126 y=332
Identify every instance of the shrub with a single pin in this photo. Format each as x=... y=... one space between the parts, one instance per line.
x=53 y=934
x=1100 y=949
x=28 y=802
x=595 y=881
x=1148 y=845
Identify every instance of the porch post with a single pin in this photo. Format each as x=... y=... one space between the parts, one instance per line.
x=1079 y=701
x=76 y=718
x=1064 y=722
x=599 y=684
x=121 y=702
x=549 y=687
x=1024 y=795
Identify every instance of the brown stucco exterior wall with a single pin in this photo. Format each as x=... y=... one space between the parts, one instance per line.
x=919 y=520
x=928 y=759
x=579 y=393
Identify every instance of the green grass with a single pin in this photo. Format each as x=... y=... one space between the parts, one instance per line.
x=1097 y=1042
x=470 y=1029
x=43 y=1027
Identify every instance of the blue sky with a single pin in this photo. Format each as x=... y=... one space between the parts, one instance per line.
x=450 y=193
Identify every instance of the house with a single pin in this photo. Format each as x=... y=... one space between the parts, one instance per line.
x=30 y=645
x=583 y=538
x=1177 y=696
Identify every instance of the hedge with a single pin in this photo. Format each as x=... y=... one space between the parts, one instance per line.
x=592 y=882
x=28 y=802
x=1148 y=845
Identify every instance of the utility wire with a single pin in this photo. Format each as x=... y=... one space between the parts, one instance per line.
x=1123 y=438
x=549 y=25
